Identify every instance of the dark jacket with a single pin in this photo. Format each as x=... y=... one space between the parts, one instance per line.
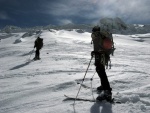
x=38 y=43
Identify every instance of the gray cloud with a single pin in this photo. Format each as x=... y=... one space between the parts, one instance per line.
x=131 y=11
x=65 y=21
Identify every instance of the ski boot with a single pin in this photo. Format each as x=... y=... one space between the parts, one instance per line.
x=105 y=95
x=36 y=58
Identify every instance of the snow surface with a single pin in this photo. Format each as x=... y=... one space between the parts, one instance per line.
x=39 y=86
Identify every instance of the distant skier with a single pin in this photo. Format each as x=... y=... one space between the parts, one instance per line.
x=101 y=59
x=38 y=44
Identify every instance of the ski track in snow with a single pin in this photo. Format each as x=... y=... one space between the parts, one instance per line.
x=39 y=86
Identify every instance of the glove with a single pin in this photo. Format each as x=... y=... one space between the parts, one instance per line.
x=92 y=53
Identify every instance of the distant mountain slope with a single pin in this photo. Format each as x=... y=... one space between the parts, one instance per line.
x=114 y=25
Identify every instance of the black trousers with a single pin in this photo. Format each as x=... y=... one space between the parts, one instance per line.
x=37 y=53
x=100 y=69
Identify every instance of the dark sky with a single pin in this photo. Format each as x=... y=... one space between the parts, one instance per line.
x=27 y=13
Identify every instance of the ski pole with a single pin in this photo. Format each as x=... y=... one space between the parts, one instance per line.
x=31 y=53
x=92 y=85
x=83 y=79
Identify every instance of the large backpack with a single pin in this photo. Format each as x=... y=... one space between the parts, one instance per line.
x=106 y=45
x=107 y=42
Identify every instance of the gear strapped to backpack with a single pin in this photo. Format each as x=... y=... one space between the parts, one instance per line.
x=103 y=43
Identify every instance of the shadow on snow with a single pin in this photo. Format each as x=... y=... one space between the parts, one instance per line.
x=105 y=108
x=20 y=66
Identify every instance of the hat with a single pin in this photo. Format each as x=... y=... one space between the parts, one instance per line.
x=96 y=28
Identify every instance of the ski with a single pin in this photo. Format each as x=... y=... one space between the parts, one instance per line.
x=87 y=87
x=78 y=99
x=113 y=101
x=83 y=85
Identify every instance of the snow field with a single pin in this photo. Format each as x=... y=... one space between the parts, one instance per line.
x=40 y=86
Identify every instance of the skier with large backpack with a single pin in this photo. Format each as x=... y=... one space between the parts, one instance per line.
x=38 y=44
x=103 y=47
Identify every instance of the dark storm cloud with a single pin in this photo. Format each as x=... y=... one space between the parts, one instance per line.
x=133 y=11
x=44 y=12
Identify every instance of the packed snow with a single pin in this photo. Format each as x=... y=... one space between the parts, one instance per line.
x=28 y=86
